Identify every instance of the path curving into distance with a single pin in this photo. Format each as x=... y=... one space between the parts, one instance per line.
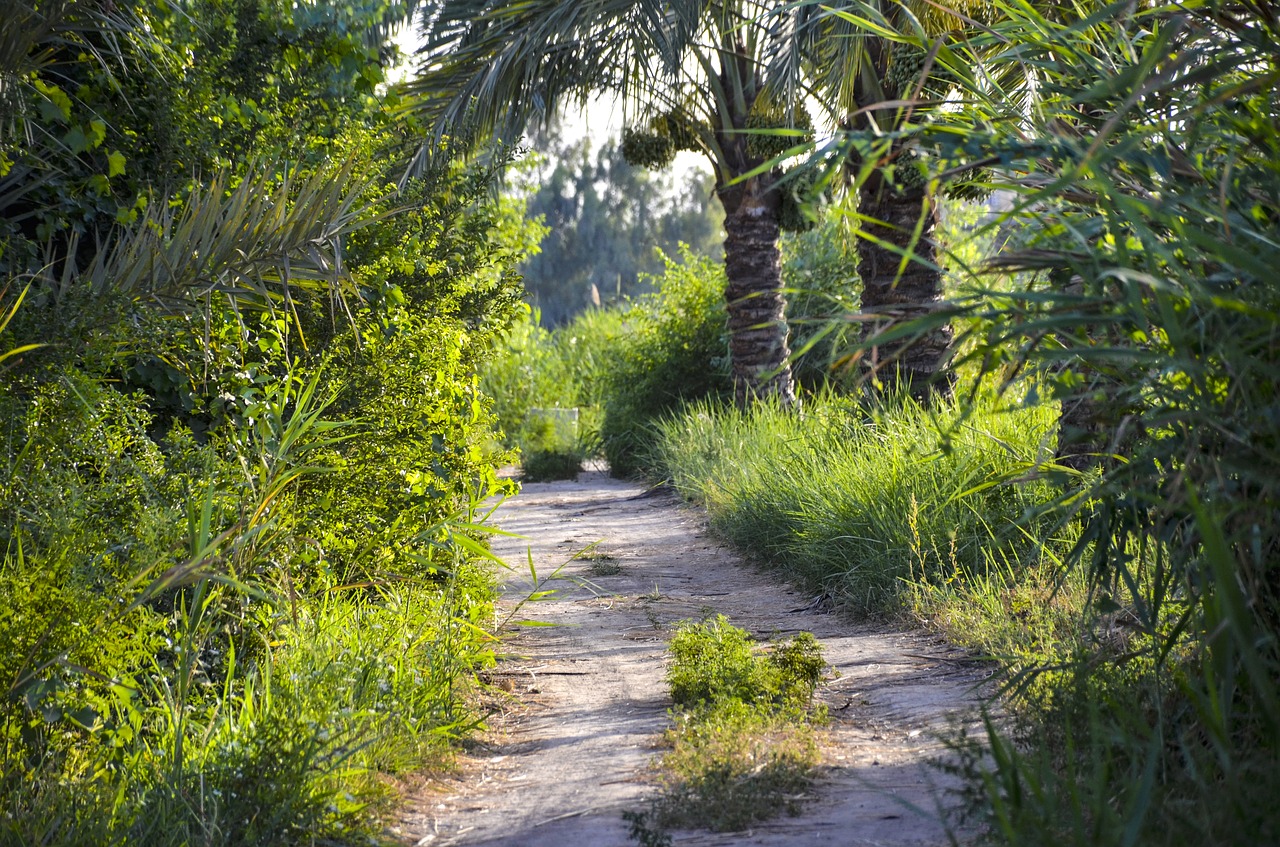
x=588 y=698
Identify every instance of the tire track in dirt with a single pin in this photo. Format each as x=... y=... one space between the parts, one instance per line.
x=589 y=698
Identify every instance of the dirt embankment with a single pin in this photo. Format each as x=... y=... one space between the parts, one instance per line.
x=588 y=698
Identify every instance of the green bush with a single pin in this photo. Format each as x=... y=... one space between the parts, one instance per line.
x=819 y=272
x=549 y=465
x=621 y=367
x=239 y=481
x=528 y=372
x=742 y=746
x=674 y=351
x=714 y=661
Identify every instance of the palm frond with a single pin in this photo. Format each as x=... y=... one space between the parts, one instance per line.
x=31 y=37
x=253 y=242
x=491 y=68
x=25 y=29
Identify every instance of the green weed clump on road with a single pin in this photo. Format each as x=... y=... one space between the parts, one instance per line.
x=742 y=748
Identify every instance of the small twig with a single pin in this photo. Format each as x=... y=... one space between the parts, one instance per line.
x=968 y=660
x=565 y=815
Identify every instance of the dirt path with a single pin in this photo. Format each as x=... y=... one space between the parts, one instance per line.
x=590 y=705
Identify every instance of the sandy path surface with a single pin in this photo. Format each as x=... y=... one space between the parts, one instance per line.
x=589 y=698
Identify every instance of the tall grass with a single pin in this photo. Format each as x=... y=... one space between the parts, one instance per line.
x=857 y=501
x=287 y=746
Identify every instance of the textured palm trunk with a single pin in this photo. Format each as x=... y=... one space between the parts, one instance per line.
x=758 y=351
x=1081 y=438
x=889 y=298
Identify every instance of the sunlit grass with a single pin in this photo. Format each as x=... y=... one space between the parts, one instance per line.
x=858 y=502
x=742 y=747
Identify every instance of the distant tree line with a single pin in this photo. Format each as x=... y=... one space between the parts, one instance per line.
x=606 y=218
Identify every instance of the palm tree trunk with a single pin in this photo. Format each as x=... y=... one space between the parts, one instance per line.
x=758 y=351
x=916 y=361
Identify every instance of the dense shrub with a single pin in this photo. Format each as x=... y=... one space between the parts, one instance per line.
x=714 y=661
x=238 y=573
x=622 y=366
x=742 y=748
x=674 y=351
x=1137 y=288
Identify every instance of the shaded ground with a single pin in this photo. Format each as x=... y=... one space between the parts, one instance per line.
x=588 y=697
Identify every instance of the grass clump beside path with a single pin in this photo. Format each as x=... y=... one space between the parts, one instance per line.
x=742 y=748
x=1114 y=727
x=856 y=502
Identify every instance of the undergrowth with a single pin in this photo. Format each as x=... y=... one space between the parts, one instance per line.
x=625 y=366
x=243 y=577
x=858 y=501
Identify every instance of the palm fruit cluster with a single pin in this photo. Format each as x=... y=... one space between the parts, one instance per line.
x=680 y=129
x=908 y=173
x=764 y=115
x=906 y=62
x=973 y=185
x=644 y=148
x=798 y=191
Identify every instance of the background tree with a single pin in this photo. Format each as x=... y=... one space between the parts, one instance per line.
x=607 y=221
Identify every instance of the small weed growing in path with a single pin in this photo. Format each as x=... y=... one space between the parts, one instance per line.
x=742 y=748
x=602 y=564
x=716 y=662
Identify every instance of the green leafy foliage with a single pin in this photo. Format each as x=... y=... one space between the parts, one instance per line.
x=125 y=105
x=551 y=447
x=819 y=272
x=673 y=352
x=742 y=748
x=621 y=367
x=715 y=661
x=548 y=389
x=243 y=442
x=547 y=465
x=532 y=371
x=1133 y=287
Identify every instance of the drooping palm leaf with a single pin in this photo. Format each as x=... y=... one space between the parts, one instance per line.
x=493 y=66
x=253 y=242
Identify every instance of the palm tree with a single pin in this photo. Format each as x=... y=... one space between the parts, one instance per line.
x=726 y=78
x=714 y=77
x=887 y=67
